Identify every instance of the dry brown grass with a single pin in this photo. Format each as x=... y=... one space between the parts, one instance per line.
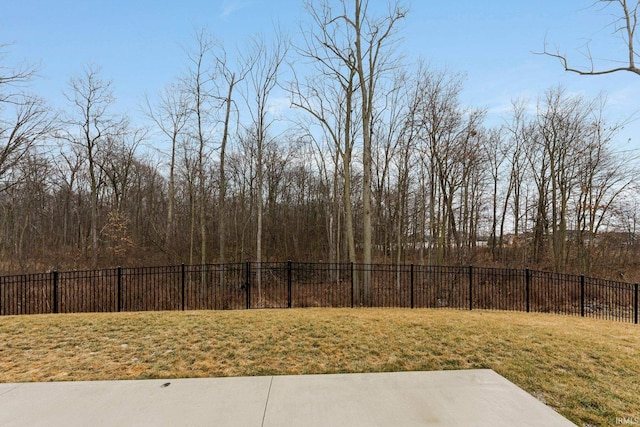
x=588 y=370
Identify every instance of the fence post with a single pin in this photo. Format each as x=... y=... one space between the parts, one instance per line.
x=582 y=295
x=527 y=284
x=182 y=284
x=470 y=287
x=635 y=304
x=289 y=283
x=119 y=272
x=55 y=291
x=352 y=283
x=248 y=282
x=412 y=306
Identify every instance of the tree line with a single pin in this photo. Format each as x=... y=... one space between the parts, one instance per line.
x=377 y=160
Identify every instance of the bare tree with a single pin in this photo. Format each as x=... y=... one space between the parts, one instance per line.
x=13 y=77
x=574 y=177
x=200 y=77
x=67 y=169
x=328 y=96
x=229 y=78
x=496 y=152
x=26 y=223
x=625 y=25
x=350 y=35
x=171 y=115
x=25 y=120
x=89 y=124
x=518 y=131
x=372 y=58
x=440 y=120
x=601 y=180
x=200 y=86
x=262 y=78
x=117 y=162
x=20 y=132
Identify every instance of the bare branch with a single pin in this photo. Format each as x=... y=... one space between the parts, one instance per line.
x=626 y=24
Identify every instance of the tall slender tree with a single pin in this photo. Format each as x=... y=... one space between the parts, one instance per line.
x=89 y=124
x=262 y=79
x=351 y=35
x=171 y=115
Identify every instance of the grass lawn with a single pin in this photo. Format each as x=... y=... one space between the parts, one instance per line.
x=588 y=370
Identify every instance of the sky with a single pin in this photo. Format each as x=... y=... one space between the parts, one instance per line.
x=139 y=45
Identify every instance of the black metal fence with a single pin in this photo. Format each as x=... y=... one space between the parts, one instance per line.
x=289 y=284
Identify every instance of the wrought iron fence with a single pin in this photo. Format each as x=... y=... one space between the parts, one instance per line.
x=251 y=285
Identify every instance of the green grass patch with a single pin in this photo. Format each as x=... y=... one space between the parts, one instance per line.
x=586 y=369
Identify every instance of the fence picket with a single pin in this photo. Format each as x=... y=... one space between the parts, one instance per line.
x=635 y=303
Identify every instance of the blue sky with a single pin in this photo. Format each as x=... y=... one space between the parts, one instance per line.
x=139 y=44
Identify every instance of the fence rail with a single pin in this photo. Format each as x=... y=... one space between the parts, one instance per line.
x=251 y=285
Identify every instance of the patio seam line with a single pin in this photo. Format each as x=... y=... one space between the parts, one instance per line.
x=11 y=389
x=266 y=404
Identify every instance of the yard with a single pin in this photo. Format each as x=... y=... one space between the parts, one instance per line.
x=586 y=369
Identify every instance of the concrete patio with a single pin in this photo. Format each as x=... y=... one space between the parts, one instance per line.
x=442 y=398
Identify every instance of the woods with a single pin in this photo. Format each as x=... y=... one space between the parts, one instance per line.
x=330 y=148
